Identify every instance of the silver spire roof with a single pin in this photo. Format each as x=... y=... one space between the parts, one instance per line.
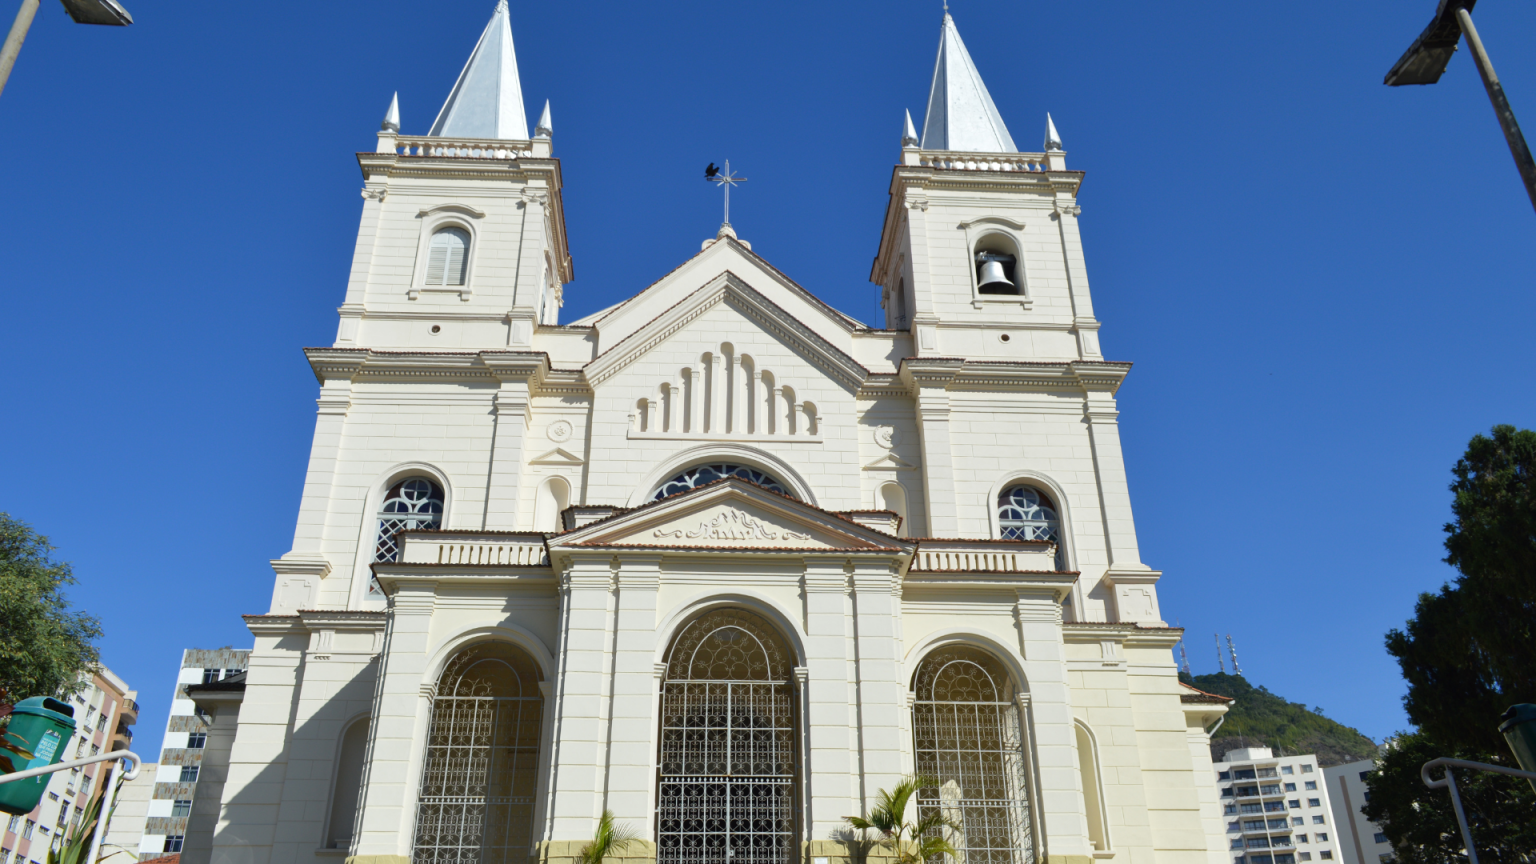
x=487 y=100
x=961 y=115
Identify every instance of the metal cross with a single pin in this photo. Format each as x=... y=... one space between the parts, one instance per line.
x=726 y=180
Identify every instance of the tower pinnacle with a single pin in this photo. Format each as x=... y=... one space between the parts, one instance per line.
x=392 y=116
x=961 y=115
x=487 y=100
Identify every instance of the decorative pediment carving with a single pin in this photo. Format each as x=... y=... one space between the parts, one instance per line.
x=734 y=525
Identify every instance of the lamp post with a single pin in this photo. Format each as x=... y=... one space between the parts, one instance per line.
x=83 y=11
x=1426 y=59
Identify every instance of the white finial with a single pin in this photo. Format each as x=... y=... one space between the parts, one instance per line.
x=1052 y=139
x=392 y=116
x=545 y=129
x=909 y=133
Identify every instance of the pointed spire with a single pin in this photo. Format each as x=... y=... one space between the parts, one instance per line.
x=909 y=133
x=392 y=116
x=487 y=100
x=961 y=115
x=545 y=129
x=1052 y=138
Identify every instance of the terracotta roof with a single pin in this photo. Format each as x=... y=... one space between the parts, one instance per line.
x=1197 y=696
x=173 y=858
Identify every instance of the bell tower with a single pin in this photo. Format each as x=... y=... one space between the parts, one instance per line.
x=979 y=254
x=462 y=242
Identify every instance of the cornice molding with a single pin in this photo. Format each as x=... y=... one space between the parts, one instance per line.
x=352 y=364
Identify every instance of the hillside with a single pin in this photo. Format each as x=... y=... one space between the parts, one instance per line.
x=1259 y=718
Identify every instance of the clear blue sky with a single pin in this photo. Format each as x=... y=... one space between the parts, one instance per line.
x=1323 y=282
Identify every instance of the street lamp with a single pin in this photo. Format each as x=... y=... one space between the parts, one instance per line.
x=1425 y=61
x=83 y=11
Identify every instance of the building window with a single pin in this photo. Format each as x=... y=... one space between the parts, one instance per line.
x=102 y=721
x=1306 y=769
x=197 y=740
x=701 y=474
x=1381 y=838
x=1314 y=802
x=481 y=764
x=210 y=676
x=1226 y=791
x=26 y=833
x=1364 y=775
x=1233 y=826
x=1297 y=820
x=1318 y=820
x=415 y=503
x=1290 y=787
x=1286 y=769
x=1258 y=842
x=1225 y=775
x=53 y=796
x=1325 y=855
x=1301 y=838
x=1304 y=856
x=1026 y=513
x=15 y=824
x=189 y=773
x=735 y=783
x=1229 y=810
x=447 y=256
x=1253 y=808
x=1237 y=843
x=173 y=842
x=1311 y=784
x=181 y=809
x=1320 y=836
x=967 y=735
x=1295 y=803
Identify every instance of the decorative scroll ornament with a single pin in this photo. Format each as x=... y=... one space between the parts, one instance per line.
x=885 y=436
x=733 y=525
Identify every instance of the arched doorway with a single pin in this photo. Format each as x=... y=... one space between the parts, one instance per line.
x=481 y=769
x=967 y=736
x=726 y=788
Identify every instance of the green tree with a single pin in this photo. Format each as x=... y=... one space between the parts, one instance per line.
x=44 y=644
x=1468 y=653
x=912 y=842
x=1260 y=718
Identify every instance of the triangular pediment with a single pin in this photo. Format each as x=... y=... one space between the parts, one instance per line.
x=557 y=456
x=752 y=305
x=889 y=462
x=729 y=514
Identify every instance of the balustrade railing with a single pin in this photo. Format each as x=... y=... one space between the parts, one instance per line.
x=461 y=148
x=956 y=161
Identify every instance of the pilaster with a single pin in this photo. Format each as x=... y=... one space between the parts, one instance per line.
x=581 y=731
x=1061 y=820
x=402 y=717
x=928 y=381
x=330 y=424
x=518 y=374
x=832 y=778
x=631 y=785
x=881 y=696
x=1114 y=491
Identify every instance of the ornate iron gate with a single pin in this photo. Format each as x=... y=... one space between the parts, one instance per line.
x=726 y=790
x=966 y=734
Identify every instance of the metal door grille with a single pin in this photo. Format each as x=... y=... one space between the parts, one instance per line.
x=726 y=790
x=480 y=775
x=970 y=741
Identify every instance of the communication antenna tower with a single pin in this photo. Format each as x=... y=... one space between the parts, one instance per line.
x=1236 y=670
x=1221 y=662
x=1184 y=658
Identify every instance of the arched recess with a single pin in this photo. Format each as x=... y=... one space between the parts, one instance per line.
x=969 y=736
x=363 y=588
x=1093 y=787
x=1066 y=553
x=738 y=454
x=554 y=495
x=347 y=783
x=730 y=749
x=893 y=497
x=482 y=757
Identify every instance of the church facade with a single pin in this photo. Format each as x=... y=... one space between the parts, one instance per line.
x=720 y=560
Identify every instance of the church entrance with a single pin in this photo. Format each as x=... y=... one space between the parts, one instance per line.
x=726 y=786
x=481 y=770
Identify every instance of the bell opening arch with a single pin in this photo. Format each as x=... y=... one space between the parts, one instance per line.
x=729 y=760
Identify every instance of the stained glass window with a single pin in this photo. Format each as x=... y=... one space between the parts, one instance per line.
x=698 y=475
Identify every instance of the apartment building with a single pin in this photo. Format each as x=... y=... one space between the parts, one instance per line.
x=1361 y=841
x=105 y=708
x=1276 y=808
x=181 y=754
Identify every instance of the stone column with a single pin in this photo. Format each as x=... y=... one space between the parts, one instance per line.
x=397 y=738
x=581 y=727
x=876 y=603
x=833 y=787
x=928 y=380
x=519 y=374
x=631 y=780
x=1046 y=718
x=715 y=415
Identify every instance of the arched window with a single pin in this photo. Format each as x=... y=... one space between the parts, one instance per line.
x=698 y=475
x=349 y=782
x=447 y=256
x=967 y=736
x=726 y=788
x=480 y=776
x=1026 y=513
x=413 y=503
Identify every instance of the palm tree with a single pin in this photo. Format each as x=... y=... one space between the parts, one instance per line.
x=608 y=840
x=913 y=842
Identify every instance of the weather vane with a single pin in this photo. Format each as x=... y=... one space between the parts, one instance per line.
x=726 y=180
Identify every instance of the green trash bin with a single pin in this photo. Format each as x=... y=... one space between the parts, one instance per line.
x=1519 y=728
x=42 y=726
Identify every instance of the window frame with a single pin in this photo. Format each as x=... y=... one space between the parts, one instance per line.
x=977 y=232
x=433 y=220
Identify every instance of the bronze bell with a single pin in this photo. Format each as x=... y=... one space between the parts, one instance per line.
x=992 y=277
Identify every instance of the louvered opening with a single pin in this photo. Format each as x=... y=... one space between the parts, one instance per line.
x=447 y=257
